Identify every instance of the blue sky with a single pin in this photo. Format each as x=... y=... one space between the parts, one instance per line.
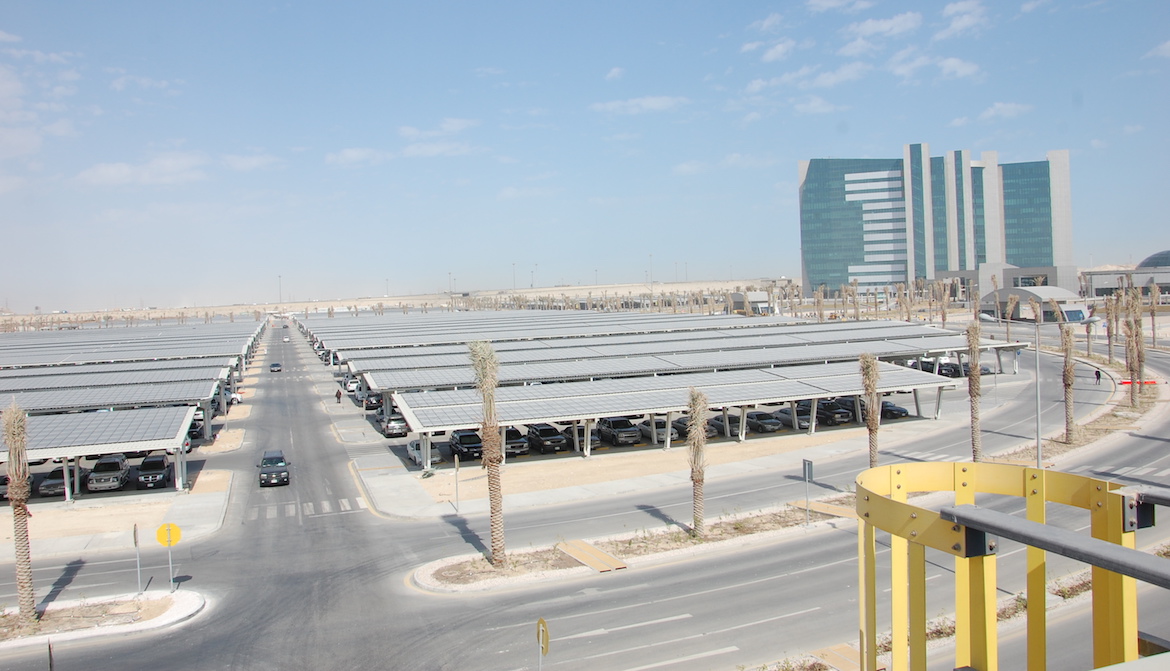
x=154 y=154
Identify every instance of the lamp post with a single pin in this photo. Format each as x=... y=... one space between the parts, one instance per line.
x=1037 y=323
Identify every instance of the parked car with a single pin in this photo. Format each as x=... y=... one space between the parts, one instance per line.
x=763 y=422
x=515 y=443
x=110 y=472
x=618 y=431
x=889 y=410
x=372 y=401
x=273 y=468
x=274 y=367
x=353 y=384
x=235 y=398
x=195 y=430
x=546 y=438
x=984 y=369
x=660 y=428
x=682 y=425
x=415 y=452
x=827 y=414
x=53 y=484
x=716 y=423
x=186 y=447
x=154 y=472
x=594 y=438
x=395 y=426
x=784 y=415
x=466 y=444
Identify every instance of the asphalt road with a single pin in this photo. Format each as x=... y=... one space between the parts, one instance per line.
x=328 y=588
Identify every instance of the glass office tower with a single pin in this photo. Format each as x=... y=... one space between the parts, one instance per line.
x=884 y=221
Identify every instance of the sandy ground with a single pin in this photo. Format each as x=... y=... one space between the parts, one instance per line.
x=80 y=519
x=228 y=440
x=532 y=476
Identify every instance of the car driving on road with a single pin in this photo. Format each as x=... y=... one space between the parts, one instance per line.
x=273 y=469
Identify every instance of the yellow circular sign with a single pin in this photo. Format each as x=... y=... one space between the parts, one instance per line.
x=168 y=535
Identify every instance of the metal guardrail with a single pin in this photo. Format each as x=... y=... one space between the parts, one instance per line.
x=969 y=533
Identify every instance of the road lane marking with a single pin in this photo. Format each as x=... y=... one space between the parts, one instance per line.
x=361 y=503
x=1124 y=470
x=343 y=504
x=290 y=510
x=307 y=507
x=599 y=632
x=688 y=658
x=269 y=512
x=253 y=513
x=326 y=508
x=1162 y=474
x=1142 y=471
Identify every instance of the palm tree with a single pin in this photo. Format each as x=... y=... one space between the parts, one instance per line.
x=1012 y=301
x=1130 y=357
x=16 y=437
x=973 y=389
x=1110 y=323
x=995 y=291
x=697 y=443
x=869 y=380
x=1066 y=344
x=487 y=369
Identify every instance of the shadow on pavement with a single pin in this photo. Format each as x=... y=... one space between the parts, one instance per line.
x=657 y=514
x=64 y=580
x=466 y=532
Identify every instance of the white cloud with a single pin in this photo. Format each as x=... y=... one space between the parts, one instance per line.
x=905 y=63
x=62 y=128
x=1098 y=144
x=815 y=105
x=120 y=83
x=1032 y=5
x=858 y=47
x=516 y=192
x=954 y=67
x=752 y=117
x=891 y=27
x=18 y=142
x=966 y=16
x=846 y=73
x=778 y=51
x=430 y=149
x=1130 y=130
x=40 y=56
x=1004 y=111
x=614 y=73
x=250 y=162
x=11 y=89
x=169 y=168
x=357 y=156
x=689 y=168
x=8 y=37
x=847 y=6
x=640 y=105
x=769 y=24
x=1162 y=49
x=793 y=77
x=750 y=46
x=446 y=127
x=959 y=122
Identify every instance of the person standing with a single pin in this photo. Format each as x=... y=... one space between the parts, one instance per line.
x=339 y=396
x=1098 y=375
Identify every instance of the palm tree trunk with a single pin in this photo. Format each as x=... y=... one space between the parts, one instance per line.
x=869 y=380
x=16 y=437
x=1066 y=344
x=697 y=443
x=973 y=390
x=486 y=366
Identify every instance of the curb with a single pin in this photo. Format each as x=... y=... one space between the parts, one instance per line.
x=185 y=605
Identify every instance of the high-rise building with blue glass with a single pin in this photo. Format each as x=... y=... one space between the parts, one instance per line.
x=888 y=221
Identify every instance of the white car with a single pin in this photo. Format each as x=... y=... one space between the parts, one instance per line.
x=236 y=397
x=353 y=384
x=286 y=338
x=414 y=450
x=661 y=426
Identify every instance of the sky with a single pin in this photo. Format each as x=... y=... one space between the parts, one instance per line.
x=191 y=154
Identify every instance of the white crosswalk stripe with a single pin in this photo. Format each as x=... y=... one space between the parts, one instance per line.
x=326 y=508
x=270 y=512
x=1142 y=471
x=308 y=507
x=1162 y=474
x=361 y=503
x=1078 y=469
x=290 y=510
x=1124 y=470
x=253 y=514
x=343 y=504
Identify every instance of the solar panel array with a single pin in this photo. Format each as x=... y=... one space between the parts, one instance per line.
x=75 y=435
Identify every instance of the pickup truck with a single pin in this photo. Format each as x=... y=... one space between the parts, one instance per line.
x=110 y=472
x=618 y=431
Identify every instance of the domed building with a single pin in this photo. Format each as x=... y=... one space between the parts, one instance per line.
x=1153 y=271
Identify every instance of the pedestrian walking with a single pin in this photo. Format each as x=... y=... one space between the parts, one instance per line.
x=1098 y=374
x=339 y=396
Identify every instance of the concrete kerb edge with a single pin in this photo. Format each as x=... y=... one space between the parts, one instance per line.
x=423 y=576
x=186 y=605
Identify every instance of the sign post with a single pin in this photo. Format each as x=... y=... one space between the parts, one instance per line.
x=137 y=559
x=456 y=455
x=168 y=535
x=808 y=475
x=541 y=640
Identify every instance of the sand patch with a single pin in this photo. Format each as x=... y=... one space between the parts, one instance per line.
x=73 y=521
x=228 y=440
x=211 y=481
x=612 y=464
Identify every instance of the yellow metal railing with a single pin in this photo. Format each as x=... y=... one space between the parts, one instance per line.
x=882 y=505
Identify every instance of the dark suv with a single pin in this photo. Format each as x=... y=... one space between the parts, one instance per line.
x=154 y=472
x=466 y=443
x=546 y=438
x=273 y=468
x=827 y=414
x=618 y=431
